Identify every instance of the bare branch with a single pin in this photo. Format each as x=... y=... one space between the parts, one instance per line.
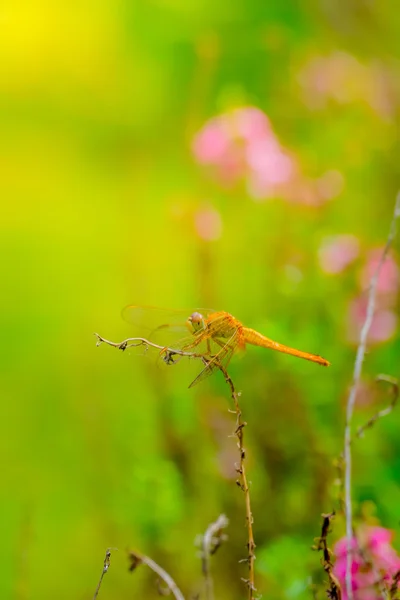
x=385 y=411
x=339 y=462
x=106 y=566
x=334 y=592
x=169 y=355
x=353 y=390
x=394 y=588
x=243 y=483
x=210 y=542
x=138 y=559
x=135 y=342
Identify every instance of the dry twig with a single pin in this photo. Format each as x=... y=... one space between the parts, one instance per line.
x=339 y=462
x=394 y=588
x=353 y=390
x=243 y=483
x=138 y=559
x=334 y=592
x=135 y=342
x=106 y=566
x=168 y=357
x=385 y=411
x=210 y=542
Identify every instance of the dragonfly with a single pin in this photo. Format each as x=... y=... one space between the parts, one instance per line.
x=213 y=336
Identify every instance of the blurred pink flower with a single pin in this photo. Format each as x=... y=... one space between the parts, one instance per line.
x=252 y=123
x=388 y=282
x=365 y=395
x=341 y=77
x=384 y=322
x=208 y=224
x=330 y=184
x=374 y=563
x=266 y=159
x=241 y=146
x=337 y=252
x=212 y=144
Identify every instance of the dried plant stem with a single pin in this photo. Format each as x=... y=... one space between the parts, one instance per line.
x=353 y=390
x=210 y=542
x=334 y=592
x=243 y=483
x=168 y=356
x=385 y=411
x=395 y=391
x=394 y=588
x=106 y=566
x=135 y=342
x=138 y=559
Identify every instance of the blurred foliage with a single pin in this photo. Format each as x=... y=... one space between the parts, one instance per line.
x=99 y=106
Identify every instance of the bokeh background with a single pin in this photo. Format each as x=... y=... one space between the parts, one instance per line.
x=237 y=155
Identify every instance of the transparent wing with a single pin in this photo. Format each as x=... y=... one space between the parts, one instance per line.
x=225 y=351
x=165 y=327
x=162 y=325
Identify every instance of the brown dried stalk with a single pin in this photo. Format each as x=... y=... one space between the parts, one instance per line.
x=394 y=383
x=394 y=588
x=243 y=483
x=339 y=462
x=362 y=346
x=210 y=542
x=169 y=354
x=136 y=559
x=135 y=342
x=334 y=592
x=106 y=566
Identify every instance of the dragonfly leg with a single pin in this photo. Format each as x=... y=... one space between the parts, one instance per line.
x=168 y=356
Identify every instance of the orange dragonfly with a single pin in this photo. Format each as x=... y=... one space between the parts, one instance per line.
x=210 y=335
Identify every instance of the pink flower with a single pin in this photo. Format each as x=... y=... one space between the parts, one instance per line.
x=208 y=224
x=337 y=252
x=266 y=159
x=240 y=146
x=211 y=144
x=252 y=123
x=374 y=563
x=330 y=184
x=388 y=282
x=384 y=322
x=344 y=79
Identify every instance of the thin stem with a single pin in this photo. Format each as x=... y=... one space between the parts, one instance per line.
x=243 y=483
x=137 y=559
x=384 y=411
x=353 y=390
x=334 y=592
x=135 y=342
x=106 y=566
x=168 y=356
x=211 y=541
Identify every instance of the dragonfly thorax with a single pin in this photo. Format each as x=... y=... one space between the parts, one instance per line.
x=197 y=322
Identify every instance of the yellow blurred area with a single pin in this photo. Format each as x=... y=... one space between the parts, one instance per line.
x=74 y=43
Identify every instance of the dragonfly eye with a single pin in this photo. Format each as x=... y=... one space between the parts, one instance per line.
x=197 y=321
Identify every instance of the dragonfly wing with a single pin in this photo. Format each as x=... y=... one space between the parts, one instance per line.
x=165 y=327
x=160 y=323
x=222 y=357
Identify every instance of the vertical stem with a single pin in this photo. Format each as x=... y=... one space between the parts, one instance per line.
x=211 y=540
x=243 y=483
x=106 y=566
x=352 y=395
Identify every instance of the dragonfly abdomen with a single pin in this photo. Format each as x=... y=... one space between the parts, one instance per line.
x=250 y=336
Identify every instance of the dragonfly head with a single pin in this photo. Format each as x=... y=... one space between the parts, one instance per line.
x=196 y=320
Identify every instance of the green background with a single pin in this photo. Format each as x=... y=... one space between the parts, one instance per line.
x=99 y=103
